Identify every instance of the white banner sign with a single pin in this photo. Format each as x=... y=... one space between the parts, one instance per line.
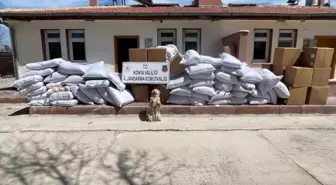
x=145 y=72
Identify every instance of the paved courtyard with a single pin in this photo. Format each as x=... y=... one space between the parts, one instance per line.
x=101 y=150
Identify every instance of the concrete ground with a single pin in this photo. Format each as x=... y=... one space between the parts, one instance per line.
x=195 y=150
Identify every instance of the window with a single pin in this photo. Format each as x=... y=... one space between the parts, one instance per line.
x=52 y=44
x=166 y=36
x=261 y=46
x=192 y=40
x=76 y=45
x=287 y=38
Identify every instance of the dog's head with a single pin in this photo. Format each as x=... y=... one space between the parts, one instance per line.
x=155 y=93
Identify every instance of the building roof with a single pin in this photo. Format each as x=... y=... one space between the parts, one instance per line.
x=130 y=12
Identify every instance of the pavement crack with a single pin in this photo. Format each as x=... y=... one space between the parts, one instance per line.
x=283 y=153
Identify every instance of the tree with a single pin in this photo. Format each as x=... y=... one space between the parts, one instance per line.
x=4 y=47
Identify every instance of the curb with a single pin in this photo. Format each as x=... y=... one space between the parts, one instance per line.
x=13 y=100
x=187 y=110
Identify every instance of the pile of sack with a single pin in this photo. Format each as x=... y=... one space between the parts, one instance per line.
x=223 y=81
x=58 y=82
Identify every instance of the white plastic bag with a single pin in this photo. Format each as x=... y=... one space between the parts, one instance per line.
x=65 y=103
x=67 y=95
x=93 y=94
x=216 y=62
x=179 y=100
x=116 y=80
x=191 y=57
x=32 y=87
x=197 y=83
x=240 y=88
x=220 y=102
x=209 y=91
x=20 y=83
x=120 y=98
x=257 y=101
x=223 y=86
x=178 y=81
x=237 y=101
x=103 y=92
x=51 y=85
x=226 y=78
x=248 y=86
x=251 y=77
x=200 y=69
x=181 y=91
x=44 y=102
x=37 y=91
x=221 y=95
x=281 y=90
x=230 y=61
x=45 y=64
x=55 y=77
x=70 y=68
x=197 y=102
x=96 y=83
x=95 y=71
x=42 y=72
x=39 y=97
x=81 y=96
x=200 y=96
x=273 y=97
x=236 y=71
x=269 y=80
x=73 y=80
x=203 y=76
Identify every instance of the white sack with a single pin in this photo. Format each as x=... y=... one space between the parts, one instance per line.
x=209 y=91
x=179 y=100
x=73 y=80
x=236 y=71
x=203 y=76
x=256 y=93
x=240 y=88
x=171 y=51
x=67 y=95
x=120 y=98
x=230 y=61
x=248 y=86
x=226 y=78
x=51 y=85
x=64 y=103
x=251 y=77
x=45 y=64
x=96 y=83
x=58 y=89
x=191 y=57
x=221 y=95
x=200 y=68
x=42 y=72
x=95 y=71
x=32 y=87
x=70 y=68
x=257 y=101
x=116 y=80
x=181 y=91
x=281 y=90
x=81 y=96
x=178 y=81
x=20 y=83
x=39 y=97
x=55 y=77
x=103 y=92
x=44 y=102
x=223 y=86
x=197 y=83
x=93 y=94
x=269 y=80
x=216 y=62
x=200 y=96
x=197 y=102
x=273 y=97
x=37 y=91
x=239 y=94
x=220 y=102
x=237 y=101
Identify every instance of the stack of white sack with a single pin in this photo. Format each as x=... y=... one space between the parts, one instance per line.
x=224 y=81
x=60 y=83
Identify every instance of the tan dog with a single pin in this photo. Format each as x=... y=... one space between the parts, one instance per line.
x=155 y=105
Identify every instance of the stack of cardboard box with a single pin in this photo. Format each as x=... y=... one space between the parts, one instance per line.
x=307 y=79
x=141 y=92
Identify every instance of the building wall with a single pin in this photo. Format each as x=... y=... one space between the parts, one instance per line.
x=100 y=35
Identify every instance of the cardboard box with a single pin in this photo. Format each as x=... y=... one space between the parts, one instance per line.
x=164 y=92
x=286 y=56
x=141 y=93
x=317 y=95
x=298 y=76
x=321 y=76
x=278 y=70
x=137 y=55
x=156 y=55
x=297 y=96
x=176 y=68
x=317 y=57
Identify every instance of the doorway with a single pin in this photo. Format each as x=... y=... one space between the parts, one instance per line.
x=121 y=46
x=330 y=42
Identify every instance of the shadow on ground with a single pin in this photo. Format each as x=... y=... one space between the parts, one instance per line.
x=31 y=162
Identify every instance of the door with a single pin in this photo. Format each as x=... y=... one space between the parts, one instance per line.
x=330 y=42
x=121 y=46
